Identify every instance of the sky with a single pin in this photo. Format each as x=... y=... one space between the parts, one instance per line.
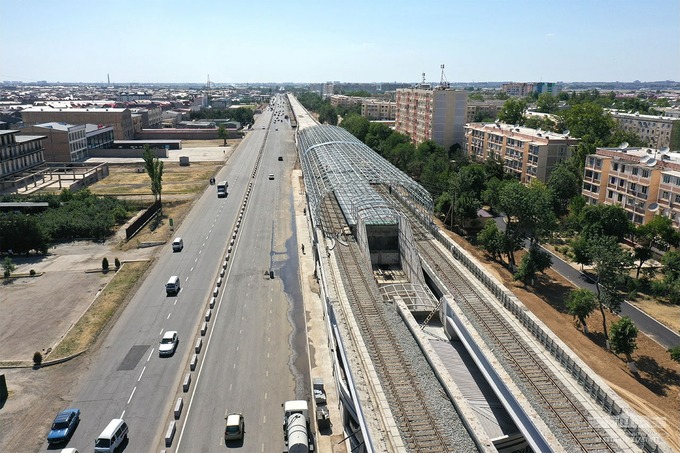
x=311 y=41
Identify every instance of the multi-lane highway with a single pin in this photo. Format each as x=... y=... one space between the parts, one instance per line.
x=246 y=363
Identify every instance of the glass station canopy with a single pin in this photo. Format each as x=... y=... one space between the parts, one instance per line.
x=334 y=161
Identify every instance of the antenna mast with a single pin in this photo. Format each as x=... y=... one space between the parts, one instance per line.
x=443 y=83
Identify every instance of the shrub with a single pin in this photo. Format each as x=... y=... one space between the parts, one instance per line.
x=32 y=273
x=105 y=264
x=116 y=262
x=37 y=358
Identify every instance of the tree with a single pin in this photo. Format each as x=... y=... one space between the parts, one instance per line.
x=8 y=266
x=623 y=339
x=581 y=303
x=356 y=125
x=154 y=168
x=105 y=264
x=512 y=111
x=547 y=103
x=580 y=247
x=491 y=239
x=605 y=220
x=222 y=133
x=564 y=183
x=641 y=254
x=534 y=261
x=675 y=353
x=610 y=266
x=671 y=266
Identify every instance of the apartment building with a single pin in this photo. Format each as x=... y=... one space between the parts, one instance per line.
x=656 y=131
x=19 y=152
x=118 y=118
x=548 y=87
x=346 y=101
x=151 y=117
x=432 y=114
x=517 y=89
x=484 y=109
x=644 y=181
x=375 y=109
x=526 y=153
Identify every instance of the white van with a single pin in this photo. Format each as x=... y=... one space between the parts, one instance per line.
x=177 y=245
x=172 y=287
x=113 y=435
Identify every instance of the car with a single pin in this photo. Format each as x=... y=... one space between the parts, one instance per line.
x=63 y=426
x=271 y=175
x=168 y=343
x=70 y=450
x=280 y=158
x=234 y=427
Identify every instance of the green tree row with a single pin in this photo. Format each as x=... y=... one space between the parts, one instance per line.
x=243 y=115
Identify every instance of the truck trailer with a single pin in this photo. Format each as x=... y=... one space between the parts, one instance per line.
x=297 y=432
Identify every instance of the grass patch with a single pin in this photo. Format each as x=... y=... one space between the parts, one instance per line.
x=92 y=323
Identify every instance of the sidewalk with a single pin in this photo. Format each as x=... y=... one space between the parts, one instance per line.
x=317 y=336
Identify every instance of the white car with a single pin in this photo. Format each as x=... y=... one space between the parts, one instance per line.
x=168 y=343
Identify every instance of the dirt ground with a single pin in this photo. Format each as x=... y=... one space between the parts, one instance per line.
x=654 y=393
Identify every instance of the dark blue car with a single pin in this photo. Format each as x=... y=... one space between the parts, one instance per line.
x=63 y=426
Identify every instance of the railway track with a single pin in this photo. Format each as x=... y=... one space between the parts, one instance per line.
x=567 y=414
x=417 y=424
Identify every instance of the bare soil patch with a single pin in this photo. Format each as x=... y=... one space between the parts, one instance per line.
x=654 y=393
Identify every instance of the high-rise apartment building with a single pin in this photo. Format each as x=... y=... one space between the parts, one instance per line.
x=526 y=153
x=548 y=87
x=432 y=114
x=517 y=89
x=644 y=181
x=656 y=131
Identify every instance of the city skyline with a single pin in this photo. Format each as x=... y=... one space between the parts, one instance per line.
x=163 y=41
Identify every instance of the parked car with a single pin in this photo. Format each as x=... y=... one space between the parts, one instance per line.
x=63 y=426
x=168 y=343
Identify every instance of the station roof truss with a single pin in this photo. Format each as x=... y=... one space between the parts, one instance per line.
x=334 y=161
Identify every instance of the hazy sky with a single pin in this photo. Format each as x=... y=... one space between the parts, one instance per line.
x=348 y=41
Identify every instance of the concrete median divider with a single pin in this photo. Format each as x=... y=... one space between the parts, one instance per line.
x=204 y=328
x=216 y=291
x=219 y=281
x=193 y=362
x=186 y=383
x=170 y=433
x=222 y=273
x=198 y=346
x=212 y=302
x=208 y=314
x=178 y=407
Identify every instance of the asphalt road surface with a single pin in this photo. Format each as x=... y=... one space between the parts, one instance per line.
x=246 y=363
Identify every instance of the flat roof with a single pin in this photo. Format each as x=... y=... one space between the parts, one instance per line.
x=28 y=138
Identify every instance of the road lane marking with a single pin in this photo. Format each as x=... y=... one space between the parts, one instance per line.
x=240 y=331
x=203 y=245
x=234 y=366
x=133 y=392
x=121 y=415
x=262 y=449
x=264 y=419
x=265 y=395
x=237 y=348
x=230 y=386
x=161 y=332
x=169 y=315
x=191 y=270
x=187 y=279
x=141 y=374
x=149 y=358
x=196 y=260
x=175 y=302
x=199 y=252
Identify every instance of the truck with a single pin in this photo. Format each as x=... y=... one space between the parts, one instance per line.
x=297 y=432
x=222 y=189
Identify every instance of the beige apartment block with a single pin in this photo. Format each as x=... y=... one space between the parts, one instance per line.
x=487 y=109
x=63 y=142
x=120 y=119
x=517 y=89
x=432 y=114
x=346 y=101
x=526 y=153
x=644 y=181
x=19 y=152
x=375 y=109
x=656 y=131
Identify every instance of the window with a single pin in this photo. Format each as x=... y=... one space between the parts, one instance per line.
x=635 y=171
x=666 y=179
x=645 y=173
x=665 y=195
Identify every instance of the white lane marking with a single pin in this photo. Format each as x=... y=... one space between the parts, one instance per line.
x=122 y=415
x=234 y=366
x=267 y=355
x=264 y=419
x=262 y=449
x=203 y=245
x=149 y=358
x=230 y=386
x=141 y=374
x=175 y=302
x=133 y=392
x=237 y=348
x=265 y=395
x=266 y=373
x=196 y=260
x=199 y=252
x=168 y=316
x=187 y=279
x=240 y=331
x=161 y=332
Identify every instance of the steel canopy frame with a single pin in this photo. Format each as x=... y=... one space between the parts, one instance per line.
x=333 y=160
